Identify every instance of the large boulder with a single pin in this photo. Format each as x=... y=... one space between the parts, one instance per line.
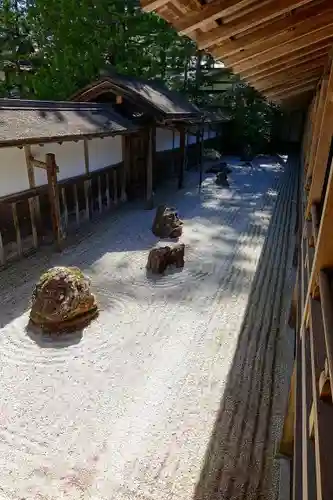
x=222 y=179
x=167 y=223
x=62 y=300
x=161 y=257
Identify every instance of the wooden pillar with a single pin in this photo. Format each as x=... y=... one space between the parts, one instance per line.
x=149 y=170
x=51 y=170
x=86 y=155
x=182 y=154
x=125 y=168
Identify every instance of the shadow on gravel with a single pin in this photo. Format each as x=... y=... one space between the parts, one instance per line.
x=239 y=459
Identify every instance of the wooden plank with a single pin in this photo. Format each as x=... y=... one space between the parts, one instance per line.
x=309 y=27
x=32 y=212
x=76 y=203
x=261 y=33
x=282 y=50
x=314 y=222
x=286 y=444
x=323 y=412
x=209 y=13
x=86 y=155
x=64 y=202
x=260 y=15
x=40 y=164
x=100 y=205
x=17 y=230
x=115 y=186
x=2 y=252
x=107 y=190
x=54 y=198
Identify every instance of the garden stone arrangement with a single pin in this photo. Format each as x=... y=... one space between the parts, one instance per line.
x=62 y=301
x=161 y=257
x=167 y=223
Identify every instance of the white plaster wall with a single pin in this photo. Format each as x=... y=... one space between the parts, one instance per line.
x=104 y=152
x=69 y=157
x=191 y=139
x=164 y=139
x=13 y=171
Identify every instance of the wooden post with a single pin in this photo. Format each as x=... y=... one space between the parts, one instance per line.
x=17 y=230
x=64 y=202
x=149 y=171
x=107 y=190
x=173 y=152
x=51 y=170
x=201 y=135
x=86 y=155
x=115 y=187
x=182 y=157
x=125 y=168
x=2 y=252
x=76 y=202
x=32 y=205
x=99 y=186
x=86 y=186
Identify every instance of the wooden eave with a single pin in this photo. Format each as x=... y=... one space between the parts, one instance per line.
x=266 y=43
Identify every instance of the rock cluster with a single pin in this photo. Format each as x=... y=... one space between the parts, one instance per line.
x=167 y=223
x=161 y=257
x=62 y=300
x=222 y=179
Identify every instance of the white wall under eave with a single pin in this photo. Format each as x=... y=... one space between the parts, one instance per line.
x=13 y=171
x=104 y=152
x=69 y=157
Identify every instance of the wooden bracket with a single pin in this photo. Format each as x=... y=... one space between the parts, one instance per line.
x=40 y=164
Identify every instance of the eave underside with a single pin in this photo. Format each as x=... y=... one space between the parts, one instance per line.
x=282 y=48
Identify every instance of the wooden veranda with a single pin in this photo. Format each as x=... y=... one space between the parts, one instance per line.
x=283 y=49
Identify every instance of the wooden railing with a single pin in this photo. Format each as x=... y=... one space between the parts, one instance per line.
x=313 y=304
x=25 y=218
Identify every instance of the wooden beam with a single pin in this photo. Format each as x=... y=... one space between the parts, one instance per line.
x=182 y=152
x=287 y=94
x=272 y=30
x=151 y=5
x=283 y=71
x=208 y=13
x=125 y=168
x=286 y=79
x=297 y=57
x=308 y=28
x=262 y=14
x=287 y=48
x=323 y=147
x=278 y=89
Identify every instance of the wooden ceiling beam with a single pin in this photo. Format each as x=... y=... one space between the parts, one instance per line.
x=284 y=89
x=310 y=24
x=286 y=65
x=308 y=28
x=282 y=50
x=209 y=13
x=317 y=64
x=151 y=5
x=262 y=14
x=293 y=78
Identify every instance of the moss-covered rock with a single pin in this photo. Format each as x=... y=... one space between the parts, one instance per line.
x=62 y=300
